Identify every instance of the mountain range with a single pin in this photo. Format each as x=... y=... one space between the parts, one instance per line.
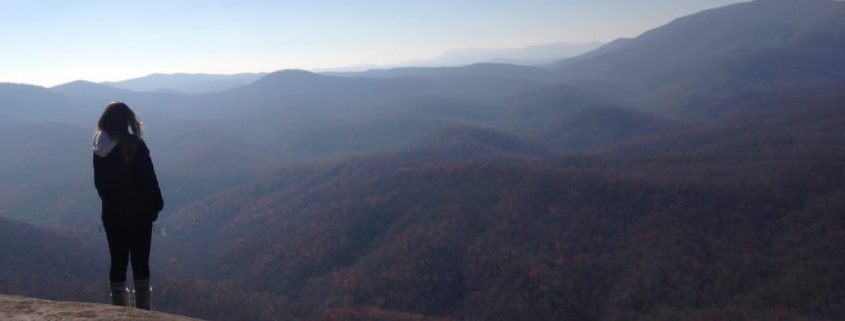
x=691 y=173
x=531 y=55
x=186 y=83
x=209 y=83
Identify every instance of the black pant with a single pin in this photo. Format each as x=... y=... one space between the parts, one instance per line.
x=127 y=242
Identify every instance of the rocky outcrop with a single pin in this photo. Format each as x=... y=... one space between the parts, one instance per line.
x=15 y=308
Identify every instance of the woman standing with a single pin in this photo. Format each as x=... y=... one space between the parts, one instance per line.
x=131 y=200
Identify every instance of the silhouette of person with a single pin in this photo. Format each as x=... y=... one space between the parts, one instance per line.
x=131 y=200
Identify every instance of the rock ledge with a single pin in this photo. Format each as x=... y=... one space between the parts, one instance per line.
x=16 y=308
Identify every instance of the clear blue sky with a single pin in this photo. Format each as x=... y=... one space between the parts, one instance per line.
x=51 y=42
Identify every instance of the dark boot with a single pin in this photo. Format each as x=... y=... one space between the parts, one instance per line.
x=143 y=291
x=119 y=293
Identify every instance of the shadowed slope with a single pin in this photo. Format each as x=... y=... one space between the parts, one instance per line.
x=748 y=47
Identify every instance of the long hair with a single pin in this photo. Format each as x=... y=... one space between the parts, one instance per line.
x=121 y=124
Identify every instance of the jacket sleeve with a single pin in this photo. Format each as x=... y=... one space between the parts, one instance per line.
x=98 y=180
x=147 y=181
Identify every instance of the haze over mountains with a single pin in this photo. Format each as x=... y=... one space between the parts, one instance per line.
x=187 y=83
x=209 y=83
x=531 y=55
x=691 y=173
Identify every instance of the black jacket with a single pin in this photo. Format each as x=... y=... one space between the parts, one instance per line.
x=130 y=193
